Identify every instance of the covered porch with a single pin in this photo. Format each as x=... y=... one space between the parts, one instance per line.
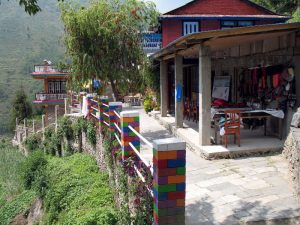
x=192 y=67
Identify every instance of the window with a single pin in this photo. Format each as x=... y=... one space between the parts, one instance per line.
x=190 y=27
x=56 y=86
x=230 y=24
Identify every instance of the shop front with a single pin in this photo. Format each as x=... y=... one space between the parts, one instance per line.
x=253 y=72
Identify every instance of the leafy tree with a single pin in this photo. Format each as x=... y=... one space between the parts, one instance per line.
x=31 y=6
x=104 y=42
x=287 y=7
x=21 y=107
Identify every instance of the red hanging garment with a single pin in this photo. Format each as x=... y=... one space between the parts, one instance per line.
x=264 y=77
x=276 y=80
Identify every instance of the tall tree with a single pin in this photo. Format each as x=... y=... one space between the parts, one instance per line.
x=287 y=7
x=104 y=42
x=21 y=107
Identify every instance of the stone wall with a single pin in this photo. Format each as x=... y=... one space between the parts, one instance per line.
x=292 y=151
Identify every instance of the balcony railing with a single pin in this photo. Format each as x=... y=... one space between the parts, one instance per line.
x=152 y=42
x=45 y=69
x=50 y=97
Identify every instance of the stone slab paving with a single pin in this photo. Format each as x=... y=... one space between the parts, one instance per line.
x=232 y=191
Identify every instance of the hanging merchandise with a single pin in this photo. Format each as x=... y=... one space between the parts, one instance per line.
x=276 y=80
x=264 y=78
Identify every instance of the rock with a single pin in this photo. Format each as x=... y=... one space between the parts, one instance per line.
x=36 y=212
x=296 y=120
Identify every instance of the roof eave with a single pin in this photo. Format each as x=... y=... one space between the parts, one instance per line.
x=178 y=43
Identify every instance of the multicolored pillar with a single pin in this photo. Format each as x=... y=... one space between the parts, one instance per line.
x=129 y=118
x=169 y=177
x=113 y=118
x=104 y=108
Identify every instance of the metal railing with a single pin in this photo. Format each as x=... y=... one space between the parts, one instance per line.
x=47 y=97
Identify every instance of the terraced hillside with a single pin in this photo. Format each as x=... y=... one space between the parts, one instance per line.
x=24 y=41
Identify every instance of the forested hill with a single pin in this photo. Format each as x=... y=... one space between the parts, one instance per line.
x=24 y=41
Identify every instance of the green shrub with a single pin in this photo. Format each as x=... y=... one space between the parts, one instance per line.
x=65 y=127
x=33 y=142
x=52 y=142
x=78 y=193
x=91 y=133
x=148 y=104
x=10 y=160
x=78 y=126
x=18 y=205
x=33 y=172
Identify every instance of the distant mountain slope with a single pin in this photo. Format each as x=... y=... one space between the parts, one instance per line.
x=24 y=41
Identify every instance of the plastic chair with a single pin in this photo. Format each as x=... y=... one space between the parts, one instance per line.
x=187 y=109
x=232 y=125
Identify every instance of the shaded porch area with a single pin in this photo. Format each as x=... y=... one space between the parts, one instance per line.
x=252 y=141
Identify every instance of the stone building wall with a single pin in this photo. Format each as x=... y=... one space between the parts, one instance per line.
x=292 y=151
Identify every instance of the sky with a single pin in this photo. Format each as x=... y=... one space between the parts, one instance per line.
x=167 y=5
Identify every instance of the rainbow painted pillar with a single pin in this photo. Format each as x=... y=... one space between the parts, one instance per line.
x=103 y=102
x=169 y=177
x=129 y=118
x=113 y=118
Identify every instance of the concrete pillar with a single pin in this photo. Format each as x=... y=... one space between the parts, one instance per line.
x=178 y=81
x=25 y=128
x=56 y=117
x=129 y=118
x=66 y=105
x=204 y=95
x=113 y=118
x=169 y=181
x=33 y=126
x=46 y=115
x=296 y=60
x=104 y=110
x=163 y=88
x=43 y=126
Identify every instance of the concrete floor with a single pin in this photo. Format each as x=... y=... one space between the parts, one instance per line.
x=253 y=190
x=252 y=141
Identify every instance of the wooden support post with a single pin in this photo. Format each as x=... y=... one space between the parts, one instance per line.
x=163 y=88
x=178 y=84
x=129 y=118
x=204 y=95
x=169 y=181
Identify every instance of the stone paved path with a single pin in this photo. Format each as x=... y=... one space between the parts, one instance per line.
x=232 y=191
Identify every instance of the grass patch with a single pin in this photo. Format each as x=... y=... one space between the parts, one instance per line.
x=10 y=183
x=13 y=198
x=18 y=205
x=77 y=193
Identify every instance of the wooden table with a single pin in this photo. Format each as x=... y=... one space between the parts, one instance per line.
x=248 y=115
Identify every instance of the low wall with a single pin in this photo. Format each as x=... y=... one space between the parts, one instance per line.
x=292 y=152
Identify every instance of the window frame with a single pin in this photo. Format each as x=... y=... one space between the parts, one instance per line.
x=190 y=21
x=236 y=23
